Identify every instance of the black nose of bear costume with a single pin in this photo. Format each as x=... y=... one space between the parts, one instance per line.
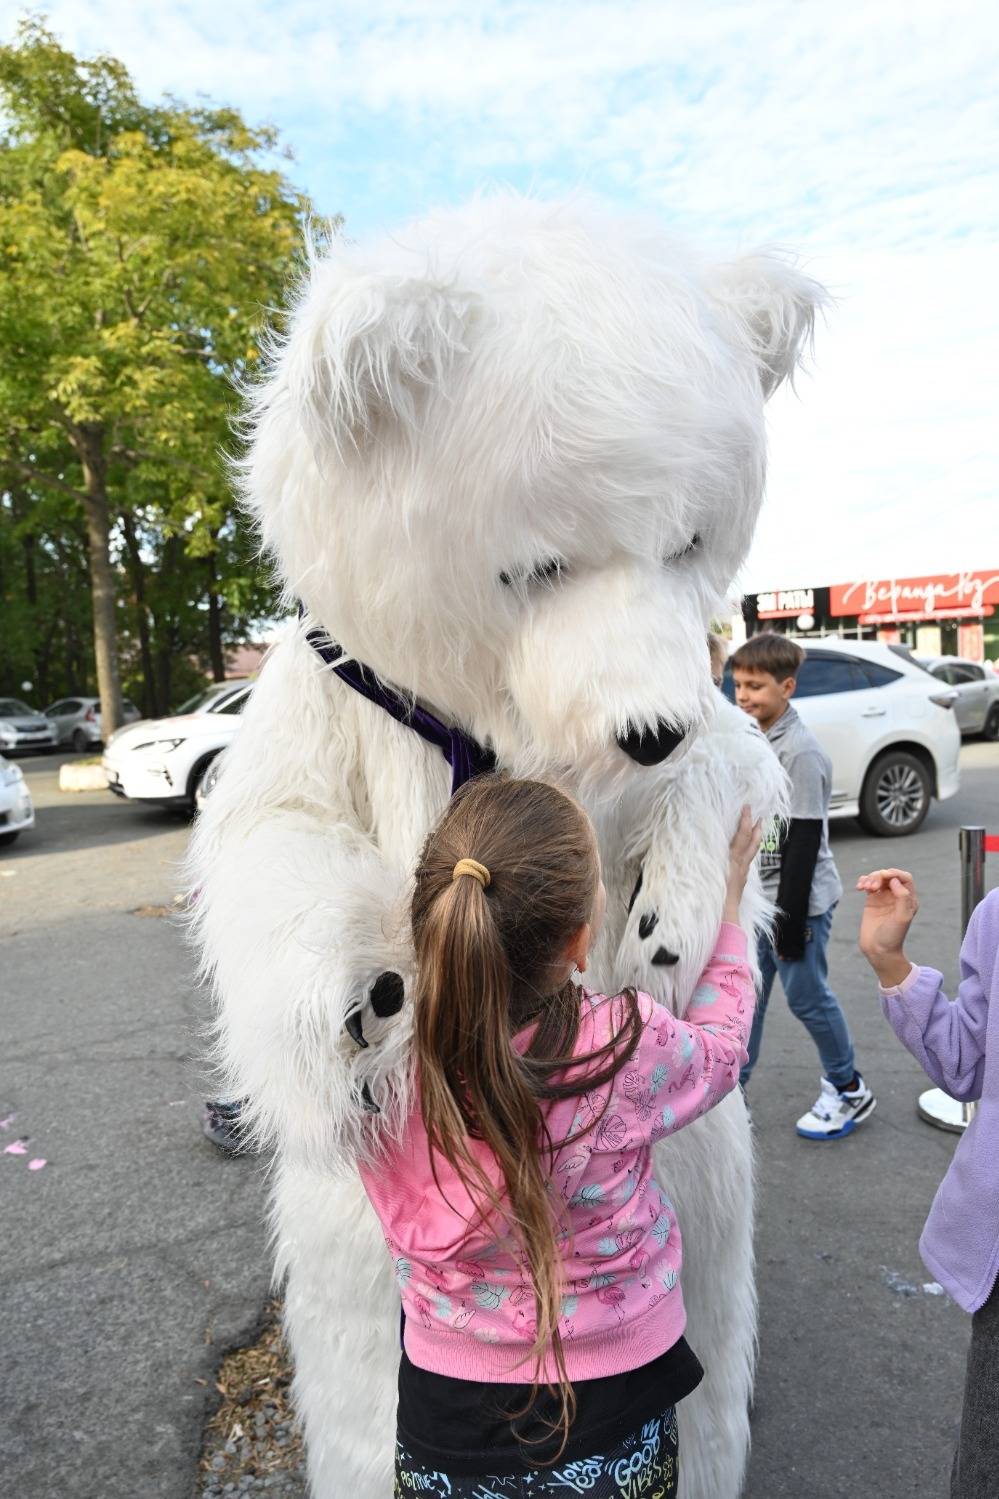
x=651 y=746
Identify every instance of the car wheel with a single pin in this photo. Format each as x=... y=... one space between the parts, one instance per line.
x=896 y=795
x=79 y=741
x=6 y=839
x=991 y=729
x=198 y=789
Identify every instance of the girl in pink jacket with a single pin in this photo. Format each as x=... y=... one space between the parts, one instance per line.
x=537 y=1259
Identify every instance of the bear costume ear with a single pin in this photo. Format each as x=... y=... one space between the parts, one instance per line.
x=362 y=345
x=773 y=305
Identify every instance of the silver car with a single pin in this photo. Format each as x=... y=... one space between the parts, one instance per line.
x=78 y=720
x=977 y=687
x=16 y=811
x=22 y=727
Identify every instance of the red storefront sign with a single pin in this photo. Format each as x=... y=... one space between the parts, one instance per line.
x=944 y=596
x=911 y=615
x=781 y=603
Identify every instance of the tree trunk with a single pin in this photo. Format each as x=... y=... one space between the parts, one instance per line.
x=89 y=443
x=20 y=503
x=215 y=651
x=166 y=627
x=152 y=707
x=43 y=662
x=164 y=669
x=30 y=580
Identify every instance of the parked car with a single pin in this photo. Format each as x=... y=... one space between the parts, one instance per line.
x=165 y=760
x=22 y=727
x=213 y=696
x=16 y=811
x=977 y=688
x=887 y=726
x=78 y=720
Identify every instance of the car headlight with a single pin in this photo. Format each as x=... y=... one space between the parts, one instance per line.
x=12 y=774
x=7 y=729
x=164 y=744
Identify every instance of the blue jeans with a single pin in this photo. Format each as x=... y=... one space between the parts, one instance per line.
x=806 y=986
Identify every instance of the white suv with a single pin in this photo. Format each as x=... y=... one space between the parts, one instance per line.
x=887 y=726
x=165 y=760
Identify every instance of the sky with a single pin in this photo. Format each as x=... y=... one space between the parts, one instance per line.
x=863 y=136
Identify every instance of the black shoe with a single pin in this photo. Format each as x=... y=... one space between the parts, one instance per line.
x=222 y=1124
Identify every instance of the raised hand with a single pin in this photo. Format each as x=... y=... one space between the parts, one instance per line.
x=889 y=910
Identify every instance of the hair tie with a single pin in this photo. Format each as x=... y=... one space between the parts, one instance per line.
x=474 y=868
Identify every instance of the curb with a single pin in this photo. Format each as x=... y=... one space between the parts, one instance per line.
x=82 y=778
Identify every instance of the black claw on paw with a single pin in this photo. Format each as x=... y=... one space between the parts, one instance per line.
x=664 y=957
x=352 y=1025
x=634 y=893
x=367 y=1102
x=388 y=994
x=647 y=925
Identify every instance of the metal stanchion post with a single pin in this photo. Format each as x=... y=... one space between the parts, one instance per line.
x=936 y=1106
x=972 y=846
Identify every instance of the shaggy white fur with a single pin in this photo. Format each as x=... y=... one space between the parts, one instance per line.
x=511 y=459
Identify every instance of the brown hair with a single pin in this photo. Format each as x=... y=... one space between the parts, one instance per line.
x=717 y=653
x=769 y=652
x=486 y=957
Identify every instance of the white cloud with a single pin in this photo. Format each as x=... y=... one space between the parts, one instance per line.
x=865 y=134
x=886 y=458
x=763 y=117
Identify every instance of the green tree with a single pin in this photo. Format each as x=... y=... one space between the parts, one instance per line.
x=46 y=637
x=140 y=249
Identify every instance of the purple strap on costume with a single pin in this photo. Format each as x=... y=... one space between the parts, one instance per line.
x=466 y=757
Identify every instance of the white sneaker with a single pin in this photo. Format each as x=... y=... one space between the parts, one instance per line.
x=835 y=1114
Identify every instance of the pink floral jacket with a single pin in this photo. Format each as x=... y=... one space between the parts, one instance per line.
x=466 y=1293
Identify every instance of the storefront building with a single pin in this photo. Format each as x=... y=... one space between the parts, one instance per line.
x=948 y=614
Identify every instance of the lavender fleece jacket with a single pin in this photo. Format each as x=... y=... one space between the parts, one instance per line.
x=958 y=1046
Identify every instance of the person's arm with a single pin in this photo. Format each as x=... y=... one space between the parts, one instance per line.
x=682 y=1068
x=800 y=852
x=947 y=1039
x=798 y=857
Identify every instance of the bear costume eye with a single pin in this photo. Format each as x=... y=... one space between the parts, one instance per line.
x=691 y=546
x=547 y=571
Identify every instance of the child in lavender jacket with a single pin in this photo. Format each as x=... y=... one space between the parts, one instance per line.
x=958 y=1046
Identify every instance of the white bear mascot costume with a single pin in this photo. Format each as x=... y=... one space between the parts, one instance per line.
x=510 y=460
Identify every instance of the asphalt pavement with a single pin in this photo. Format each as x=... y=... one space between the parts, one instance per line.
x=861 y=1364
x=137 y=1253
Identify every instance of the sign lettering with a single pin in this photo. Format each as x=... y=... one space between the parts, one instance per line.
x=946 y=595
x=780 y=602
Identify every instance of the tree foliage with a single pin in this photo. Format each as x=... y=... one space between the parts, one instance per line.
x=141 y=250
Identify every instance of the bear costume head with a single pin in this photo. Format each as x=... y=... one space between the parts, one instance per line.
x=512 y=458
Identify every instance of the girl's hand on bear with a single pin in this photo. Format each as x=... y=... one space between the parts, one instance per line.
x=889 y=910
x=741 y=853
